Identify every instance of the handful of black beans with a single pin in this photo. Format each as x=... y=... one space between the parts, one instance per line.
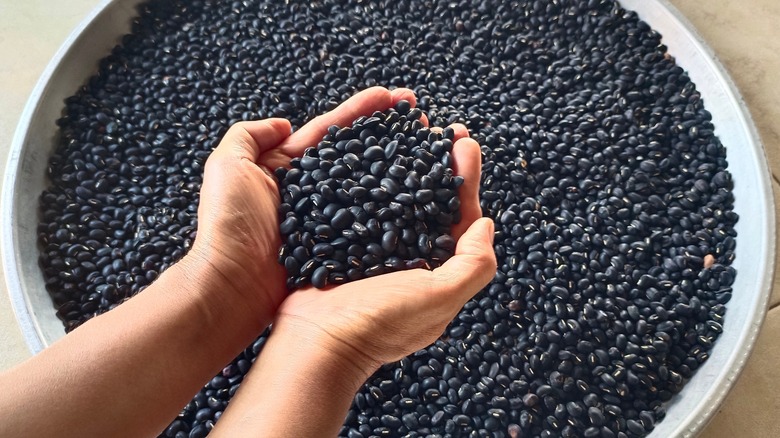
x=372 y=198
x=601 y=167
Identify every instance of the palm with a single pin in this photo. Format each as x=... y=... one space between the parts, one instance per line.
x=381 y=319
x=352 y=314
x=237 y=212
x=239 y=197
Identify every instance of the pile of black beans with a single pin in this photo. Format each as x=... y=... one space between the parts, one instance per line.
x=608 y=186
x=375 y=197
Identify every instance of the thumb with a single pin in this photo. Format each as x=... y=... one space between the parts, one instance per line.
x=249 y=140
x=472 y=266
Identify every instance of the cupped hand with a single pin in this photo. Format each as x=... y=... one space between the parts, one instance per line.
x=381 y=319
x=325 y=342
x=238 y=232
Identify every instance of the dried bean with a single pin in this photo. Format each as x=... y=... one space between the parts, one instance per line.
x=591 y=136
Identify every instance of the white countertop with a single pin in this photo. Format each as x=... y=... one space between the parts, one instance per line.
x=31 y=31
x=743 y=34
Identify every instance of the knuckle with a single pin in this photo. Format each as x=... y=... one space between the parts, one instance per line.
x=487 y=259
x=240 y=127
x=487 y=264
x=212 y=162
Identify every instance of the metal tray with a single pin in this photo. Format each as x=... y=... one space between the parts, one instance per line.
x=688 y=412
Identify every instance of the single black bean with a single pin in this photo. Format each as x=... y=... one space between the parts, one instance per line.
x=389 y=241
x=319 y=277
x=341 y=219
x=288 y=225
x=374 y=153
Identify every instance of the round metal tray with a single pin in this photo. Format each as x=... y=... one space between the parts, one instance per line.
x=688 y=412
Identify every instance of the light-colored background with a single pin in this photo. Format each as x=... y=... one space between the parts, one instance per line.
x=743 y=34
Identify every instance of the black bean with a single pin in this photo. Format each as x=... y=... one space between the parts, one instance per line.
x=341 y=219
x=374 y=153
x=423 y=196
x=635 y=427
x=199 y=431
x=339 y=171
x=379 y=168
x=536 y=257
x=403 y=107
x=369 y=182
x=412 y=181
x=319 y=277
x=596 y=416
x=390 y=149
x=445 y=242
x=360 y=230
x=404 y=198
x=288 y=225
x=397 y=171
x=309 y=163
x=530 y=400
x=390 y=186
x=389 y=241
x=603 y=152
x=322 y=250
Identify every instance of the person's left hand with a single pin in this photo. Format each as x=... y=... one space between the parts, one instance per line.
x=238 y=232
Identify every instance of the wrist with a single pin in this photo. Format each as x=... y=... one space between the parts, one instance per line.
x=343 y=358
x=228 y=286
x=213 y=294
x=294 y=362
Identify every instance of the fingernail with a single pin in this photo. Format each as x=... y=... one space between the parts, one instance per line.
x=491 y=230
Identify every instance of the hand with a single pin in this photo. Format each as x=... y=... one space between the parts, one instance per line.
x=381 y=319
x=238 y=233
x=325 y=343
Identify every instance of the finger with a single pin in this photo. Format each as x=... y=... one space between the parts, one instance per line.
x=361 y=104
x=460 y=131
x=472 y=266
x=364 y=103
x=467 y=162
x=457 y=280
x=251 y=139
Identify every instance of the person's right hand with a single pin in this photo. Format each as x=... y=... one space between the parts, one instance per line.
x=381 y=319
x=384 y=318
x=326 y=343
